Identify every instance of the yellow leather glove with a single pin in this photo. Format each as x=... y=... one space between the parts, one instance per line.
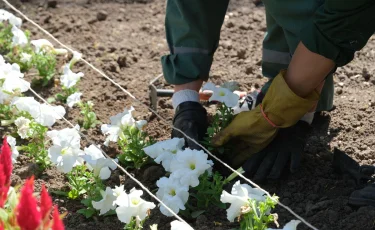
x=280 y=108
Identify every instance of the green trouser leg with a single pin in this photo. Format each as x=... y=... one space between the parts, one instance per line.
x=285 y=19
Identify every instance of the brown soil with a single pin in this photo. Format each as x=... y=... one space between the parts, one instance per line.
x=128 y=45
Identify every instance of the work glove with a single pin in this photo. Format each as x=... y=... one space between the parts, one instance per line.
x=191 y=118
x=281 y=108
x=285 y=151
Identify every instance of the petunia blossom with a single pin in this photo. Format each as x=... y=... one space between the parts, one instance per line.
x=239 y=197
x=11 y=18
x=65 y=152
x=19 y=38
x=188 y=165
x=45 y=46
x=165 y=151
x=291 y=225
x=23 y=127
x=220 y=94
x=98 y=163
x=69 y=78
x=132 y=205
x=173 y=194
x=25 y=57
x=12 y=142
x=73 y=99
x=118 y=123
x=76 y=57
x=178 y=225
x=106 y=203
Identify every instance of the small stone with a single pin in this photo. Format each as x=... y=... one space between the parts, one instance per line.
x=230 y=24
x=52 y=3
x=241 y=53
x=15 y=180
x=339 y=91
x=101 y=15
x=244 y=27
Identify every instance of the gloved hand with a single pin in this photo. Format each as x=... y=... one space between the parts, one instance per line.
x=281 y=108
x=287 y=146
x=191 y=118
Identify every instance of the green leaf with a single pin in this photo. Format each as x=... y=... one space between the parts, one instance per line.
x=89 y=212
x=51 y=100
x=110 y=213
x=195 y=214
x=87 y=202
x=60 y=193
x=3 y=214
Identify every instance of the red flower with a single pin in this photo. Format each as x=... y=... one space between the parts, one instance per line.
x=3 y=187
x=6 y=161
x=28 y=216
x=45 y=203
x=57 y=222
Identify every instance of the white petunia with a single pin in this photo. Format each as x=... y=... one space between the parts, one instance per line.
x=292 y=225
x=42 y=113
x=45 y=46
x=12 y=143
x=239 y=197
x=76 y=57
x=25 y=57
x=69 y=78
x=178 y=225
x=165 y=151
x=173 y=194
x=120 y=122
x=13 y=78
x=220 y=94
x=13 y=20
x=19 y=37
x=65 y=152
x=132 y=205
x=73 y=99
x=98 y=163
x=106 y=203
x=188 y=165
x=118 y=190
x=23 y=127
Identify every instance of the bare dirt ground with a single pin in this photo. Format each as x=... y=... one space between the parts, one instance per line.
x=128 y=45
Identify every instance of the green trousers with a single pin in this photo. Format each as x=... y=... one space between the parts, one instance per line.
x=285 y=19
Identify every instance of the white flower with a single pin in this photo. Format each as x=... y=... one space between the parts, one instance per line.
x=42 y=113
x=65 y=152
x=220 y=94
x=165 y=151
x=239 y=197
x=132 y=205
x=173 y=194
x=120 y=122
x=25 y=57
x=13 y=78
x=73 y=99
x=19 y=37
x=292 y=225
x=43 y=45
x=107 y=203
x=12 y=143
x=69 y=78
x=98 y=163
x=118 y=190
x=76 y=57
x=188 y=165
x=23 y=127
x=178 y=225
x=13 y=20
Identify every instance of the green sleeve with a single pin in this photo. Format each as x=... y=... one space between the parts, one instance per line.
x=340 y=28
x=193 y=32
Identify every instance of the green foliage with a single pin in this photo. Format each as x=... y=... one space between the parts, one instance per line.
x=66 y=92
x=256 y=216
x=134 y=225
x=45 y=63
x=36 y=147
x=131 y=142
x=5 y=38
x=224 y=115
x=89 y=116
x=5 y=112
